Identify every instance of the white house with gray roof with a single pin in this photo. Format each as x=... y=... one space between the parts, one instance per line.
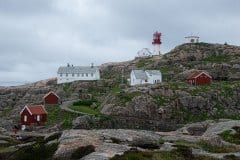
x=72 y=73
x=145 y=77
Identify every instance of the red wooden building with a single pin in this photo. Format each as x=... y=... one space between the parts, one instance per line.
x=199 y=78
x=51 y=98
x=33 y=114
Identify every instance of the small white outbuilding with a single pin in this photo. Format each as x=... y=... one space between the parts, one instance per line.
x=145 y=77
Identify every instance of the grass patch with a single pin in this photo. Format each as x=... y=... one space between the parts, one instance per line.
x=86 y=106
x=217 y=58
x=160 y=100
x=177 y=85
x=134 y=156
x=230 y=137
x=87 y=102
x=84 y=109
x=116 y=89
x=6 y=112
x=127 y=97
x=186 y=144
x=217 y=149
x=56 y=116
x=7 y=150
x=144 y=62
x=66 y=87
x=178 y=154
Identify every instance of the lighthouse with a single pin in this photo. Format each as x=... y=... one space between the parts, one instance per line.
x=156 y=43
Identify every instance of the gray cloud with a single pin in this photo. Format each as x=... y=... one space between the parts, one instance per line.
x=37 y=36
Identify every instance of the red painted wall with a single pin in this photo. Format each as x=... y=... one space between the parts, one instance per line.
x=201 y=80
x=32 y=119
x=51 y=99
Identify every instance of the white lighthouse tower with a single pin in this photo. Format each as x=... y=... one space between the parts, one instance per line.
x=156 y=43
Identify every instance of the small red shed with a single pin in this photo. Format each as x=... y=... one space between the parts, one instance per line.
x=51 y=98
x=33 y=114
x=199 y=78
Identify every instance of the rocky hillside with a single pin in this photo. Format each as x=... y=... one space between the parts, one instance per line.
x=221 y=61
x=155 y=107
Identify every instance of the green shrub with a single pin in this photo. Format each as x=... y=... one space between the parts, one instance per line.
x=39 y=151
x=88 y=102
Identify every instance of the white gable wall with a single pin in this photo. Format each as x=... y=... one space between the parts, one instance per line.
x=153 y=79
x=134 y=80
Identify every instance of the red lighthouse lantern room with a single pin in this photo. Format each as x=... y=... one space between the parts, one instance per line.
x=157 y=38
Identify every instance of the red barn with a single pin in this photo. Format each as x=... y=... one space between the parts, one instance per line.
x=199 y=78
x=33 y=114
x=51 y=98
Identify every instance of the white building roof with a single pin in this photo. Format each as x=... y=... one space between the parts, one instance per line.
x=77 y=69
x=140 y=74
x=154 y=72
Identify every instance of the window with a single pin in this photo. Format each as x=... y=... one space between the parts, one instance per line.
x=66 y=74
x=25 y=118
x=82 y=74
x=73 y=75
x=60 y=74
x=78 y=74
x=86 y=74
x=91 y=74
x=38 y=117
x=146 y=80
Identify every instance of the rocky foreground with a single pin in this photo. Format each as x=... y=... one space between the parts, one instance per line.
x=107 y=143
x=209 y=139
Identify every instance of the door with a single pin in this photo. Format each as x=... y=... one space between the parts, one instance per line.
x=38 y=117
x=25 y=118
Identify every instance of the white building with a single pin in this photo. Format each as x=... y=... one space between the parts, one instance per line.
x=75 y=73
x=145 y=52
x=145 y=77
x=192 y=39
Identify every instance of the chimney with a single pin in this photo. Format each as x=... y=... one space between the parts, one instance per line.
x=68 y=65
x=92 y=65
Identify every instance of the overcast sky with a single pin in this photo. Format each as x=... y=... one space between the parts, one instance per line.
x=38 y=36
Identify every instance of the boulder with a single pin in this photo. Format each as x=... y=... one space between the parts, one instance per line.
x=89 y=144
x=220 y=127
x=73 y=141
